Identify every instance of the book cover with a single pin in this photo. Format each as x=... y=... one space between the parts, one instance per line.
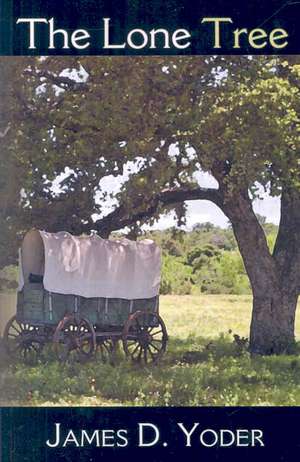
x=149 y=230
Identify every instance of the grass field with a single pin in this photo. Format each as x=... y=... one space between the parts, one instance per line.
x=203 y=366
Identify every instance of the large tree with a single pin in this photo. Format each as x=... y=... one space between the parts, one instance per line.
x=11 y=172
x=153 y=124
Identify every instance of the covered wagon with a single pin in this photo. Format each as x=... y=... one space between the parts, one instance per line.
x=85 y=293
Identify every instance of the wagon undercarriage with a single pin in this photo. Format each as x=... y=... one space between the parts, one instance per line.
x=143 y=337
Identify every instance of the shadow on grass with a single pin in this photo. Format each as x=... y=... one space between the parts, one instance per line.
x=191 y=350
x=194 y=371
x=194 y=350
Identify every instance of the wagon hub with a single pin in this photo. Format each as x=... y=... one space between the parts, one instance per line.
x=145 y=338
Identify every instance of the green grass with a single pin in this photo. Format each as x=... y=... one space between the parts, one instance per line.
x=203 y=366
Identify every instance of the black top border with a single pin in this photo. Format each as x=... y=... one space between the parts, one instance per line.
x=275 y=23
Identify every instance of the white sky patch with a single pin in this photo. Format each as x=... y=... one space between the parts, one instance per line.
x=56 y=184
x=41 y=89
x=204 y=211
x=173 y=150
x=112 y=185
x=220 y=74
x=165 y=221
x=198 y=211
x=268 y=207
x=206 y=180
x=78 y=75
x=191 y=153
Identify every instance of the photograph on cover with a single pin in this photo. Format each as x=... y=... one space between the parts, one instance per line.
x=150 y=231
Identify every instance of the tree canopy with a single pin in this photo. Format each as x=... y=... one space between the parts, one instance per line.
x=236 y=118
x=150 y=127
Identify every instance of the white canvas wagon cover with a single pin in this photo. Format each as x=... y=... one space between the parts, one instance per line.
x=90 y=266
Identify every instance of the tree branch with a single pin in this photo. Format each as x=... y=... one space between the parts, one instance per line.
x=58 y=80
x=250 y=236
x=120 y=217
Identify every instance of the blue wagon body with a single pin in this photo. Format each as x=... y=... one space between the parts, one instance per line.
x=39 y=307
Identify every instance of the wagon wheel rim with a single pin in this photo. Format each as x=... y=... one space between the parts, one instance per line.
x=21 y=339
x=106 y=348
x=145 y=337
x=74 y=339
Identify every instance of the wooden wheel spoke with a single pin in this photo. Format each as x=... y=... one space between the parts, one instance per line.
x=13 y=326
x=104 y=348
x=135 y=349
x=85 y=337
x=76 y=338
x=158 y=340
x=10 y=334
x=32 y=346
x=156 y=333
x=151 y=336
x=108 y=346
x=154 y=346
x=151 y=352
x=83 y=333
x=140 y=353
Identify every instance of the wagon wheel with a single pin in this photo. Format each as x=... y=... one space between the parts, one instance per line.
x=31 y=351
x=74 y=339
x=23 y=340
x=145 y=337
x=106 y=347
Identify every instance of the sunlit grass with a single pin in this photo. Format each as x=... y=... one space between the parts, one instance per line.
x=206 y=315
x=203 y=366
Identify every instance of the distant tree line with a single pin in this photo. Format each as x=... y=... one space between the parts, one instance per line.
x=205 y=259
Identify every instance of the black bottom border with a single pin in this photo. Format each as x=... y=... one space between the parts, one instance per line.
x=150 y=434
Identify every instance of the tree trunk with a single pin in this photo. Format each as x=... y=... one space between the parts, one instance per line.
x=272 y=324
x=275 y=292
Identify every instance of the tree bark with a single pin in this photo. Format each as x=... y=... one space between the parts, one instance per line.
x=275 y=285
x=272 y=324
